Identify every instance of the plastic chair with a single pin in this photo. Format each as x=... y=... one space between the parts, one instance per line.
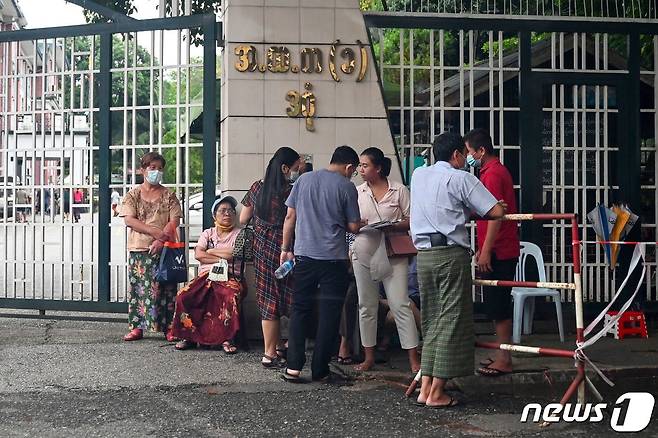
x=524 y=297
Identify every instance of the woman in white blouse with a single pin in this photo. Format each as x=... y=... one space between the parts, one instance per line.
x=381 y=199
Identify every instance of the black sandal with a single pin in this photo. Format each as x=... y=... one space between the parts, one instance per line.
x=486 y=362
x=282 y=352
x=347 y=360
x=273 y=361
x=452 y=403
x=292 y=378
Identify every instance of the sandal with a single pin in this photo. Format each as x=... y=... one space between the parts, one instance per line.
x=292 y=378
x=273 y=361
x=347 y=360
x=491 y=372
x=185 y=345
x=134 y=335
x=415 y=402
x=486 y=362
x=229 y=347
x=453 y=402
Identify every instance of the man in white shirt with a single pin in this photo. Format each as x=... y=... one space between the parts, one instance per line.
x=443 y=197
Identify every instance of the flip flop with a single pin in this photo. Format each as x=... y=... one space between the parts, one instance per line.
x=292 y=378
x=452 y=403
x=347 y=360
x=491 y=372
x=229 y=348
x=273 y=361
x=486 y=362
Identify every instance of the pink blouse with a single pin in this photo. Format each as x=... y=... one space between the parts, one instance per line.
x=210 y=239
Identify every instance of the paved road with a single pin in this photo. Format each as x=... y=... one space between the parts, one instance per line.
x=70 y=379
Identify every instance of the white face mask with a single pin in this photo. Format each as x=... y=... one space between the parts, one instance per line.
x=154 y=177
x=293 y=176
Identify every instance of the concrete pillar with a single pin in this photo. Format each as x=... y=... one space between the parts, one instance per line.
x=254 y=122
x=349 y=107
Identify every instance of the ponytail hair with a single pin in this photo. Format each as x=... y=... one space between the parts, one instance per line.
x=379 y=160
x=275 y=182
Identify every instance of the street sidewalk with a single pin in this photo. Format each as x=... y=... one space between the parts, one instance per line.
x=632 y=364
x=70 y=378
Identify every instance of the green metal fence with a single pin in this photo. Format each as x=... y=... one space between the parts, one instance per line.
x=79 y=105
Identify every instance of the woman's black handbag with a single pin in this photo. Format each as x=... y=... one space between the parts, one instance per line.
x=243 y=251
x=244 y=244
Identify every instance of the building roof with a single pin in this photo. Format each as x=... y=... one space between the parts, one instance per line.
x=541 y=54
x=11 y=12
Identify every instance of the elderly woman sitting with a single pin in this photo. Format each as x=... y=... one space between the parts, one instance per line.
x=207 y=308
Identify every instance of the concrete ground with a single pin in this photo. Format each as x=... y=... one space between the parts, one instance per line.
x=77 y=378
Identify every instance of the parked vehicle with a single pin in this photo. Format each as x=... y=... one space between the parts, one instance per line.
x=194 y=206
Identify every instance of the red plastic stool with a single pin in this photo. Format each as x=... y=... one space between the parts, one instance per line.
x=630 y=324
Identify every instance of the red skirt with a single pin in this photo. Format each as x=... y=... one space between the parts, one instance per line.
x=207 y=311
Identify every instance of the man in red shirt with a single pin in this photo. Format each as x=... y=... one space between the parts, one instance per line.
x=498 y=246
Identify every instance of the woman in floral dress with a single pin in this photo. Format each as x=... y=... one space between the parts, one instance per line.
x=152 y=213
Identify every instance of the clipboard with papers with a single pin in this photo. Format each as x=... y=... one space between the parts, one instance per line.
x=380 y=225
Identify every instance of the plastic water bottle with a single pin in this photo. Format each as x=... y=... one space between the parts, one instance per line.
x=284 y=269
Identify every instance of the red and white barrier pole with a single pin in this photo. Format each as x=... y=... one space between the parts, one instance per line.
x=580 y=320
x=535 y=284
x=540 y=351
x=413 y=385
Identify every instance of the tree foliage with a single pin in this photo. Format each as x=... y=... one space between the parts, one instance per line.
x=574 y=8
x=128 y=7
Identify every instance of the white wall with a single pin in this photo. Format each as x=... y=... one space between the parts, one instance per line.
x=74 y=147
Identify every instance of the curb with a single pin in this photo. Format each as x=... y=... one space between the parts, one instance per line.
x=536 y=384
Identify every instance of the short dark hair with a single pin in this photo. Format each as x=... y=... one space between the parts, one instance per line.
x=150 y=157
x=446 y=144
x=345 y=155
x=479 y=138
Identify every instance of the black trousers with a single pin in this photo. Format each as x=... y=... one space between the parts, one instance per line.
x=497 y=299
x=327 y=282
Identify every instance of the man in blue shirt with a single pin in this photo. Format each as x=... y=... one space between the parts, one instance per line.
x=322 y=206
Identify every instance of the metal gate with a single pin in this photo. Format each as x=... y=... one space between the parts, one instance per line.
x=79 y=106
x=570 y=103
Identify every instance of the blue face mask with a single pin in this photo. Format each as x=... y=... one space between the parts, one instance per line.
x=471 y=161
x=154 y=177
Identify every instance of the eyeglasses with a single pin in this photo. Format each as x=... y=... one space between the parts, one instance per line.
x=225 y=211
